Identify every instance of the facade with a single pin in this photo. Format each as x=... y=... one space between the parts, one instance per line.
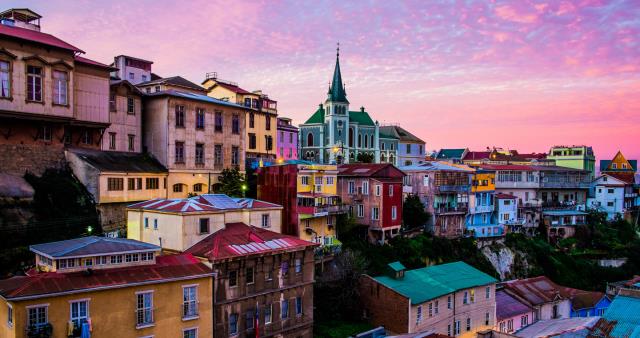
x=51 y=98
x=264 y=283
x=561 y=224
x=507 y=212
x=107 y=287
x=178 y=224
x=623 y=170
x=452 y=299
x=608 y=195
x=444 y=190
x=373 y=193
x=177 y=83
x=411 y=149
x=131 y=69
x=116 y=179
x=125 y=118
x=576 y=157
x=614 y=288
x=287 y=141
x=334 y=134
x=481 y=221
x=588 y=303
x=389 y=147
x=195 y=137
x=261 y=113
x=309 y=196
x=512 y=314
x=548 y=299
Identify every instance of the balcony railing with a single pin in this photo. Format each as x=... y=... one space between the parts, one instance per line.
x=144 y=317
x=517 y=221
x=323 y=210
x=453 y=188
x=450 y=210
x=189 y=309
x=481 y=208
x=40 y=331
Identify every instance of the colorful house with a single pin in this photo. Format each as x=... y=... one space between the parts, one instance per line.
x=608 y=195
x=287 y=140
x=507 y=213
x=308 y=194
x=373 y=192
x=512 y=313
x=548 y=299
x=621 y=318
x=107 y=287
x=577 y=157
x=625 y=171
x=481 y=220
x=411 y=149
x=453 y=299
x=561 y=224
x=452 y=155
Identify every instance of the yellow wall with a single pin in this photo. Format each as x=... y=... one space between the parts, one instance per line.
x=112 y=312
x=126 y=195
x=319 y=226
x=481 y=178
x=322 y=171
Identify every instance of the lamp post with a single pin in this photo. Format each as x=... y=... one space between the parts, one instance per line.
x=244 y=190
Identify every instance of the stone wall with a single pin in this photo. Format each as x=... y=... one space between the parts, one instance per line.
x=17 y=159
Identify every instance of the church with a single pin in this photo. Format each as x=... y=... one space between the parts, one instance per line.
x=334 y=134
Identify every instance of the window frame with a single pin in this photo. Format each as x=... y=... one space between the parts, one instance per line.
x=9 y=72
x=55 y=81
x=40 y=76
x=190 y=306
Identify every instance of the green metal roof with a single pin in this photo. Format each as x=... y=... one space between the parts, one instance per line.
x=396 y=266
x=450 y=153
x=317 y=117
x=386 y=134
x=361 y=117
x=624 y=310
x=421 y=285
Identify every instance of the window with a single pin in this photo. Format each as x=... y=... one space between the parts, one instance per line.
x=468 y=324
x=378 y=190
x=609 y=204
x=235 y=124
x=144 y=78
x=199 y=118
x=252 y=118
x=9 y=315
x=60 y=87
x=79 y=312
x=235 y=156
x=486 y=318
x=290 y=137
x=465 y=298
x=157 y=88
x=268 y=310
x=5 y=79
x=268 y=122
x=217 y=154
x=44 y=133
x=351 y=187
x=408 y=148
x=456 y=327
x=115 y=184
x=304 y=180
x=233 y=324
x=472 y=294
x=144 y=308
x=218 y=122
x=198 y=187
x=131 y=105
x=269 y=140
x=249 y=320
x=37 y=315
x=391 y=190
x=190 y=333
x=189 y=301
x=252 y=141
x=254 y=103
x=233 y=278
x=419 y=314
x=179 y=152
x=155 y=224
x=179 y=116
x=266 y=221
x=425 y=181
x=609 y=191
x=487 y=292
x=87 y=137
x=436 y=307
x=449 y=330
x=360 y=210
x=298 y=306
x=430 y=309
x=152 y=183
x=249 y=275
x=298 y=265
x=284 y=309
x=131 y=76
x=375 y=213
x=510 y=325
x=199 y=153
x=204 y=226
x=524 y=320
x=132 y=143
x=116 y=259
x=112 y=141
x=147 y=90
x=394 y=212
x=88 y=262
x=284 y=267
x=34 y=83
x=365 y=188
x=148 y=256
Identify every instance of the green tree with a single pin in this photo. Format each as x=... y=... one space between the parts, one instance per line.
x=364 y=158
x=413 y=212
x=232 y=183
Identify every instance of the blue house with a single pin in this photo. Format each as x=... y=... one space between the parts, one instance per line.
x=587 y=303
x=621 y=319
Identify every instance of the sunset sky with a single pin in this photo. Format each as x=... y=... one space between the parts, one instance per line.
x=517 y=74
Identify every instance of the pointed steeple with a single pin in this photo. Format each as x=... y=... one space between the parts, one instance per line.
x=337 y=92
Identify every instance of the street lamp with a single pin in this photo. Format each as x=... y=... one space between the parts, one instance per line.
x=244 y=190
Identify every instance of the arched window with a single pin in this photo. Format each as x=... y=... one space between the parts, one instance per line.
x=392 y=159
x=359 y=140
x=371 y=143
x=383 y=158
x=178 y=187
x=366 y=141
x=310 y=140
x=198 y=187
x=382 y=146
x=350 y=137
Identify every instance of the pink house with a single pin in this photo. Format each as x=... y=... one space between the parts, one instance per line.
x=287 y=140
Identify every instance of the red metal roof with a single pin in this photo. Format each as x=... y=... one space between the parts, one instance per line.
x=386 y=170
x=477 y=155
x=504 y=196
x=535 y=290
x=38 y=37
x=233 y=88
x=174 y=205
x=239 y=239
x=202 y=203
x=183 y=266
x=93 y=63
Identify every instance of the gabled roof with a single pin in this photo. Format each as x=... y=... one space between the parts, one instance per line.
x=232 y=87
x=421 y=285
x=119 y=161
x=91 y=245
x=89 y=62
x=611 y=180
x=171 y=267
x=396 y=266
x=360 y=117
x=239 y=239
x=202 y=203
x=619 y=159
x=376 y=170
x=582 y=299
x=447 y=154
x=400 y=133
x=477 y=155
x=536 y=290
x=193 y=96
x=126 y=83
x=508 y=306
x=317 y=117
x=36 y=37
x=174 y=81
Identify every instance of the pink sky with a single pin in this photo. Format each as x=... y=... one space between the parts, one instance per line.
x=517 y=74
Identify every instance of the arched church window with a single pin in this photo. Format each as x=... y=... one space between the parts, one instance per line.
x=310 y=140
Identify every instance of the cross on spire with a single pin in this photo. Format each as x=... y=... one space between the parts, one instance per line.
x=338 y=50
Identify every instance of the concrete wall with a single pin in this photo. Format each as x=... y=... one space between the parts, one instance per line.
x=124 y=123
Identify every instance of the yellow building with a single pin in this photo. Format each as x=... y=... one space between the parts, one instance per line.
x=109 y=287
x=261 y=116
x=483 y=181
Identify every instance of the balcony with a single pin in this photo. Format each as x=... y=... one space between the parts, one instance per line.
x=459 y=209
x=481 y=209
x=322 y=210
x=514 y=222
x=631 y=195
x=144 y=318
x=564 y=185
x=453 y=188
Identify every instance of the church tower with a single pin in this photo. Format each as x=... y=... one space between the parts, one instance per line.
x=336 y=117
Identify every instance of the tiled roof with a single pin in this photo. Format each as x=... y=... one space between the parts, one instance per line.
x=37 y=37
x=477 y=155
x=170 y=267
x=508 y=306
x=118 y=161
x=369 y=170
x=400 y=133
x=536 y=290
x=91 y=245
x=421 y=285
x=445 y=154
x=582 y=299
x=239 y=239
x=193 y=96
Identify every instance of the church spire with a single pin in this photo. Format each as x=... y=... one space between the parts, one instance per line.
x=337 y=92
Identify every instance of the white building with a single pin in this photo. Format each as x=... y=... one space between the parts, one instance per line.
x=607 y=195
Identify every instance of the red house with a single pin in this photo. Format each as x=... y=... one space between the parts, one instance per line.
x=373 y=192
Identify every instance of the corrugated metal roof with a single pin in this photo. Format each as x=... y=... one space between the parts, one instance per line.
x=508 y=306
x=194 y=96
x=36 y=36
x=436 y=166
x=625 y=310
x=118 y=161
x=421 y=285
x=91 y=245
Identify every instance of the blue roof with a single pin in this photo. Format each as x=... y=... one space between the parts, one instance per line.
x=194 y=96
x=446 y=154
x=92 y=245
x=624 y=310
